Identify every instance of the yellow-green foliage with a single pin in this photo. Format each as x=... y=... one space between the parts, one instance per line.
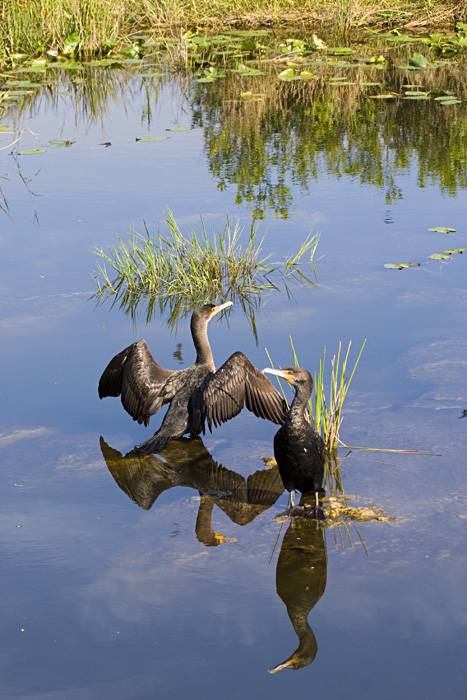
x=31 y=25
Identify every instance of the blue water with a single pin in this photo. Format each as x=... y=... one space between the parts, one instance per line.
x=103 y=599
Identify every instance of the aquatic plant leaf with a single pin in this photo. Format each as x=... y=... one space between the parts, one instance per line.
x=340 y=51
x=244 y=70
x=401 y=265
x=415 y=93
x=59 y=144
x=416 y=97
x=451 y=101
x=71 y=43
x=6 y=128
x=152 y=138
x=31 y=151
x=439 y=256
x=386 y=96
x=419 y=61
x=396 y=36
x=317 y=42
x=442 y=229
x=179 y=128
x=21 y=84
x=132 y=51
x=451 y=251
x=287 y=73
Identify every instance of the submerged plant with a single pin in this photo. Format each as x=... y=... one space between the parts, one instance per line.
x=185 y=270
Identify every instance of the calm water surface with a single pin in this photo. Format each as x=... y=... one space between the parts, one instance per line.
x=119 y=579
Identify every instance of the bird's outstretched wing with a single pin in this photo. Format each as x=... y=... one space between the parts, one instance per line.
x=239 y=383
x=143 y=385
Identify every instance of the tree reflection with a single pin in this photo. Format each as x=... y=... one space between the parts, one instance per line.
x=286 y=134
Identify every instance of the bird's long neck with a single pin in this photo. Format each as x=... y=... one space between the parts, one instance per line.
x=202 y=347
x=296 y=415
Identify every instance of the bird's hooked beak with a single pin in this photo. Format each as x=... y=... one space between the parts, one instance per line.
x=283 y=373
x=219 y=308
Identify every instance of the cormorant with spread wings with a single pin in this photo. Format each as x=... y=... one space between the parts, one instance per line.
x=197 y=394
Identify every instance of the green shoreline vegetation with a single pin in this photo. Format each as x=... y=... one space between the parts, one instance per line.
x=34 y=26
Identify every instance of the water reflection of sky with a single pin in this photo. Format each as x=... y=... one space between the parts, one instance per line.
x=102 y=599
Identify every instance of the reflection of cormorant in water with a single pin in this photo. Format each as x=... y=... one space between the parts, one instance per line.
x=143 y=477
x=301 y=581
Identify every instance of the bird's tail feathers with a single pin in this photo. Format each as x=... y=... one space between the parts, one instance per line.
x=156 y=443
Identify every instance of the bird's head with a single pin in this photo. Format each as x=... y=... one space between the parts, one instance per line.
x=294 y=375
x=203 y=314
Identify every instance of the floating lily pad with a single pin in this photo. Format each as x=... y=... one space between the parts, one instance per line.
x=152 y=138
x=401 y=265
x=418 y=61
x=244 y=70
x=439 y=256
x=31 y=151
x=6 y=128
x=386 y=96
x=179 y=128
x=24 y=84
x=287 y=74
x=442 y=229
x=396 y=36
x=59 y=144
x=451 y=251
x=451 y=101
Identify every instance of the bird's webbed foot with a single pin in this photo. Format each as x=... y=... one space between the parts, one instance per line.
x=291 y=512
x=317 y=513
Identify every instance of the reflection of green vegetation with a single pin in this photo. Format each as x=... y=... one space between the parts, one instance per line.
x=296 y=131
x=179 y=272
x=278 y=113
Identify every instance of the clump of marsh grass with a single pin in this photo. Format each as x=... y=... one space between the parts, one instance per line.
x=184 y=270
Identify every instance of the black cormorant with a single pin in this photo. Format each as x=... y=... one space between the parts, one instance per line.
x=298 y=447
x=196 y=394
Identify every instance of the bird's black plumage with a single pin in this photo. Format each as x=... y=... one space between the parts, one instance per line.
x=197 y=394
x=298 y=447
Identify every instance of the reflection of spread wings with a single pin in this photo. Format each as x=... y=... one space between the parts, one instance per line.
x=143 y=477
